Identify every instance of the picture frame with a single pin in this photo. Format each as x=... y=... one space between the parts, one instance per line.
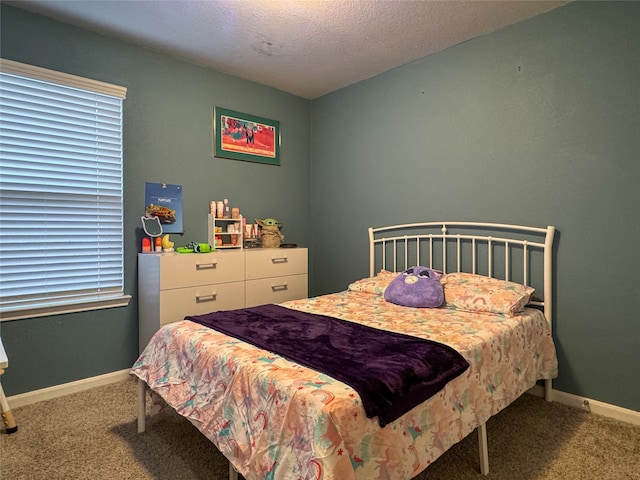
x=241 y=136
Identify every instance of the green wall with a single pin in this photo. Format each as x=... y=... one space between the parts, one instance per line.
x=167 y=138
x=535 y=124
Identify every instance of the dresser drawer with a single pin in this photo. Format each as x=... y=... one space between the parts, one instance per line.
x=276 y=290
x=187 y=270
x=275 y=262
x=176 y=303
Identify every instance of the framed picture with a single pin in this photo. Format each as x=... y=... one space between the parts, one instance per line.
x=241 y=136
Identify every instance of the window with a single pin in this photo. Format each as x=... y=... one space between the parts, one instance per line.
x=61 y=225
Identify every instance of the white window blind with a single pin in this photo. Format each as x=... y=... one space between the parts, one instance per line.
x=61 y=223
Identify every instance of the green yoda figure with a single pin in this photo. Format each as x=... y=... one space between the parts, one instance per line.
x=270 y=234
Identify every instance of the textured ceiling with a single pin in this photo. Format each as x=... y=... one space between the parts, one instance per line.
x=304 y=47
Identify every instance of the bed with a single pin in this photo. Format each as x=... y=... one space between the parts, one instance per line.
x=274 y=418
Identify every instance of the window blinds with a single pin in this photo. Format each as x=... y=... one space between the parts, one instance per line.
x=61 y=213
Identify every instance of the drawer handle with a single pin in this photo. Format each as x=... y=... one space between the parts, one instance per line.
x=206 y=298
x=206 y=266
x=279 y=260
x=279 y=288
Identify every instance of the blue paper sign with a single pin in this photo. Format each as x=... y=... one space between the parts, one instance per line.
x=164 y=201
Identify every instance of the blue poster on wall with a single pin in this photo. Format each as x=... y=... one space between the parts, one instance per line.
x=164 y=201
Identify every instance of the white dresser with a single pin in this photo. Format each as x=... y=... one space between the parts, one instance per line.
x=173 y=285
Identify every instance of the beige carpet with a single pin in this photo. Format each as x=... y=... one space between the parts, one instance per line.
x=92 y=435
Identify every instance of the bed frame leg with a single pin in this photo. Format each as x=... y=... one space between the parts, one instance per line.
x=233 y=473
x=142 y=405
x=483 y=448
x=548 y=391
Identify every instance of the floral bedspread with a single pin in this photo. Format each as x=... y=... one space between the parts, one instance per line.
x=274 y=419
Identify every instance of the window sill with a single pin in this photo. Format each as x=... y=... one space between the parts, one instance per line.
x=60 y=308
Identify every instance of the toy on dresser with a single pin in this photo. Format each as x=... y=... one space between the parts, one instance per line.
x=270 y=234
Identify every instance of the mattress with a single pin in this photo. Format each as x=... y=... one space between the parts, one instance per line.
x=276 y=419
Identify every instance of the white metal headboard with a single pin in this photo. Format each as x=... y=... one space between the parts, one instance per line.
x=510 y=252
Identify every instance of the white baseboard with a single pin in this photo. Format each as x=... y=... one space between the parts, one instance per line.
x=28 y=398
x=583 y=403
x=589 y=405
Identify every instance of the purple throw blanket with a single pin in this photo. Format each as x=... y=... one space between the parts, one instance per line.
x=392 y=372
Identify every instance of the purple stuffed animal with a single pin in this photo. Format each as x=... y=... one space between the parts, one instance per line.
x=416 y=287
